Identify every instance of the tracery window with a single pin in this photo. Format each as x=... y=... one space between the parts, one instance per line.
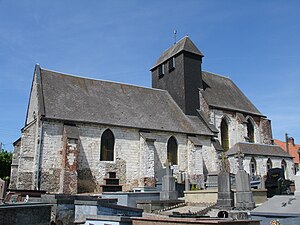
x=107 y=146
x=250 y=131
x=224 y=135
x=172 y=151
x=269 y=164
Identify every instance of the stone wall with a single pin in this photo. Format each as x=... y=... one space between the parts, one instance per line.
x=261 y=165
x=52 y=157
x=15 y=165
x=32 y=111
x=136 y=159
x=237 y=127
x=26 y=164
x=266 y=131
x=211 y=196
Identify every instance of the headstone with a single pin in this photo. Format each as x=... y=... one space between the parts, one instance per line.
x=244 y=196
x=297 y=184
x=168 y=185
x=186 y=182
x=275 y=182
x=225 y=195
x=212 y=180
x=2 y=187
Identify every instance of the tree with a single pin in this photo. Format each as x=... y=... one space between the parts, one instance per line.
x=5 y=163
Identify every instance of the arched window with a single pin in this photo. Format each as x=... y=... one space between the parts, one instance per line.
x=172 y=151
x=252 y=167
x=269 y=164
x=283 y=166
x=107 y=146
x=250 y=131
x=224 y=135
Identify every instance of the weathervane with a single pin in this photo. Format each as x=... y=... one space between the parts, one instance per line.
x=175 y=36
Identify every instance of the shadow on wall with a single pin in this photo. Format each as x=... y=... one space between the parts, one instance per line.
x=158 y=165
x=86 y=181
x=205 y=170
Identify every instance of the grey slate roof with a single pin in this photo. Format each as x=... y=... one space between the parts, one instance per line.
x=73 y=98
x=185 y=44
x=223 y=93
x=257 y=149
x=197 y=141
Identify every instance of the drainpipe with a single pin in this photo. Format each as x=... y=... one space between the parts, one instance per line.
x=37 y=184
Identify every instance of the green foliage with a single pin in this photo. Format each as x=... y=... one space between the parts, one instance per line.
x=5 y=162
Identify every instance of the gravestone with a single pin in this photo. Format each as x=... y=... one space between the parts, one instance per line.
x=186 y=182
x=168 y=185
x=2 y=189
x=244 y=196
x=297 y=184
x=225 y=195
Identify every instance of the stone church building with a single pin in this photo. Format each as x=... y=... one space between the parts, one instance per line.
x=79 y=129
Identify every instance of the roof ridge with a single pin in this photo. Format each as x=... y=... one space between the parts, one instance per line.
x=216 y=74
x=250 y=143
x=108 y=81
x=184 y=44
x=184 y=37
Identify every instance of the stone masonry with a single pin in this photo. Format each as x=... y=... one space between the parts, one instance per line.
x=136 y=159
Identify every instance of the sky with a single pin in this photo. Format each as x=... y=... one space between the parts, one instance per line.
x=256 y=43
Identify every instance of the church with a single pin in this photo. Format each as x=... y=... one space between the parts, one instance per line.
x=78 y=130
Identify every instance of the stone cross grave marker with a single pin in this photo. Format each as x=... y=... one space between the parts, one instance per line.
x=244 y=196
x=168 y=185
x=225 y=195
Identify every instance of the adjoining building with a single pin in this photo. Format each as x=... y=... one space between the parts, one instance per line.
x=292 y=149
x=77 y=129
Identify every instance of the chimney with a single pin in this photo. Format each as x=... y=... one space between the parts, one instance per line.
x=291 y=141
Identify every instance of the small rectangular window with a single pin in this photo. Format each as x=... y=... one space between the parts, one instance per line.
x=161 y=71
x=172 y=64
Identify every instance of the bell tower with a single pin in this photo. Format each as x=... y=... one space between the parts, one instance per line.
x=178 y=70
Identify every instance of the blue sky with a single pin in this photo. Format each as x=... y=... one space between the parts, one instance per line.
x=255 y=43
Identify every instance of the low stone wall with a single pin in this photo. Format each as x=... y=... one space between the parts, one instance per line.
x=201 y=196
x=132 y=198
x=64 y=205
x=211 y=196
x=188 y=221
x=259 y=196
x=24 y=214
x=100 y=207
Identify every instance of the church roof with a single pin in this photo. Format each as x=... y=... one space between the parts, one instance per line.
x=221 y=92
x=257 y=149
x=185 y=44
x=71 y=98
